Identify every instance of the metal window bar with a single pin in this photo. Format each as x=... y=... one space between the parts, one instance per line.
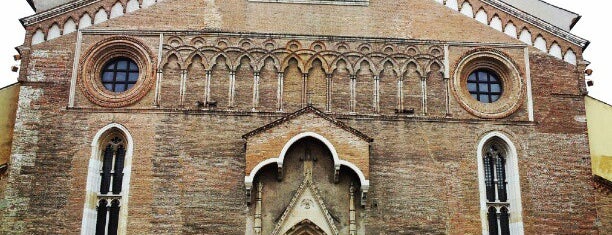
x=120 y=75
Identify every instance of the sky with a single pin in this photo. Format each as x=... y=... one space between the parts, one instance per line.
x=593 y=26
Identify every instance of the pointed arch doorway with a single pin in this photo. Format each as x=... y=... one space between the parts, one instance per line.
x=310 y=185
x=305 y=227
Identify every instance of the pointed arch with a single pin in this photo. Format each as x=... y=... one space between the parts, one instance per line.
x=341 y=85
x=526 y=37
x=94 y=178
x=496 y=23
x=540 y=43
x=132 y=5
x=54 y=32
x=365 y=59
x=555 y=50
x=435 y=63
x=279 y=161
x=570 y=57
x=244 y=84
x=38 y=37
x=101 y=16
x=481 y=16
x=285 y=63
x=414 y=63
x=85 y=21
x=510 y=29
x=315 y=57
x=216 y=57
x=166 y=58
x=269 y=70
x=190 y=57
x=237 y=63
x=510 y=161
x=116 y=10
x=262 y=61
x=411 y=97
x=388 y=86
x=392 y=61
x=220 y=80
x=195 y=83
x=467 y=10
x=334 y=64
x=170 y=85
x=69 y=26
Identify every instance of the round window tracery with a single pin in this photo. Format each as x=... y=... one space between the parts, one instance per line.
x=117 y=72
x=120 y=74
x=488 y=84
x=485 y=86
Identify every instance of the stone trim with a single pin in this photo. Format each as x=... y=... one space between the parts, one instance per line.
x=54 y=12
x=320 y=2
x=306 y=184
x=512 y=177
x=105 y=50
x=308 y=109
x=210 y=33
x=505 y=7
x=512 y=83
x=88 y=223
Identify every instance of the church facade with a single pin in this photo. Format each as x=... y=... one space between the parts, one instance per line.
x=301 y=117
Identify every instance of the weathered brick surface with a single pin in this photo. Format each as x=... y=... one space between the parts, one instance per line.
x=189 y=164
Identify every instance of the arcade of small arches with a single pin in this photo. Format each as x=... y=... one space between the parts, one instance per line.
x=496 y=19
x=349 y=77
x=69 y=24
x=502 y=22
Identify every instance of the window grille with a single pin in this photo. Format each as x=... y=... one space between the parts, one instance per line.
x=497 y=196
x=111 y=182
x=485 y=86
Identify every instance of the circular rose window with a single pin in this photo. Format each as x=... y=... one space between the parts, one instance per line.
x=488 y=84
x=117 y=72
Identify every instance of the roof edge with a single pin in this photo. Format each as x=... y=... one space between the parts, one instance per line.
x=53 y=12
x=539 y=23
x=8 y=86
x=31 y=2
x=601 y=101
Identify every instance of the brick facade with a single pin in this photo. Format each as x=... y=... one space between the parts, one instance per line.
x=384 y=70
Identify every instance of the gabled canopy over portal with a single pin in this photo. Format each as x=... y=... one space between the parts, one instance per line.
x=269 y=144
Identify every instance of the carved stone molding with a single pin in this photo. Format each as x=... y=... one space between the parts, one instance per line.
x=93 y=60
x=512 y=83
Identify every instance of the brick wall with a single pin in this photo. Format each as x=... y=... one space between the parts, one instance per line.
x=189 y=164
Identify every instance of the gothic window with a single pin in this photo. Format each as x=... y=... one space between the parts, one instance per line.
x=495 y=180
x=113 y=158
x=108 y=182
x=500 y=190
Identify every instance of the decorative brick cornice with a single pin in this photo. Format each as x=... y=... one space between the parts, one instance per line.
x=54 y=12
x=548 y=27
x=308 y=109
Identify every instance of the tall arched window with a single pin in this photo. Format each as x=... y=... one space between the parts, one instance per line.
x=105 y=210
x=499 y=186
